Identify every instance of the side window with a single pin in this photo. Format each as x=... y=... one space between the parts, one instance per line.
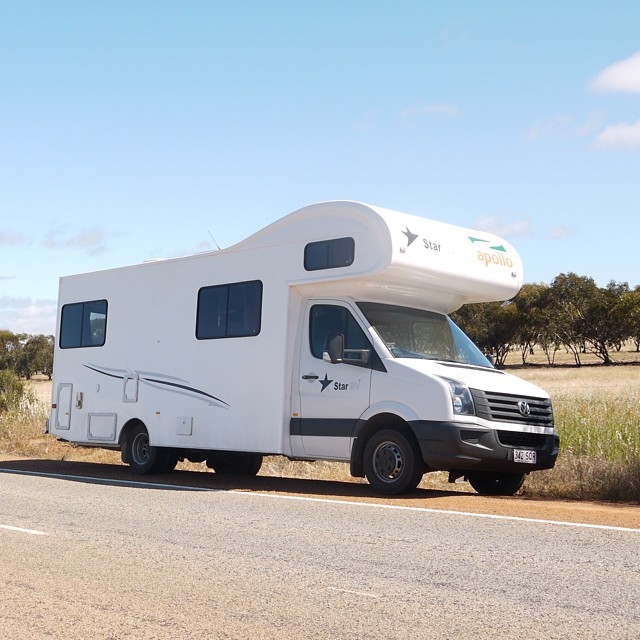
x=83 y=324
x=326 y=319
x=229 y=310
x=329 y=254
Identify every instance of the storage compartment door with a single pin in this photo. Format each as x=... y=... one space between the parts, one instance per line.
x=63 y=403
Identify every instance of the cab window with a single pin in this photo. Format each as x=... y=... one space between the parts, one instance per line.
x=327 y=319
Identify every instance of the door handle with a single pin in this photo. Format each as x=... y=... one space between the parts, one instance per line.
x=310 y=376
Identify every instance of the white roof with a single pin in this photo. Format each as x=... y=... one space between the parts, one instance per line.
x=399 y=258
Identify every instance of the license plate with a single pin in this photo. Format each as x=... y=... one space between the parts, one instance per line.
x=524 y=455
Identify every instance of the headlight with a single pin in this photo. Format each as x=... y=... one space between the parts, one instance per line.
x=461 y=399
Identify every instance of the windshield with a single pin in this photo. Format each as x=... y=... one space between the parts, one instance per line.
x=413 y=333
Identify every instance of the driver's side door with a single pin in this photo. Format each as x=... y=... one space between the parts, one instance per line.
x=332 y=396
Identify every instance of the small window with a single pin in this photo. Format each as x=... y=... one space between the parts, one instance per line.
x=229 y=310
x=83 y=324
x=329 y=254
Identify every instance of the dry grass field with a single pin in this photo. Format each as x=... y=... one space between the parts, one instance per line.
x=597 y=412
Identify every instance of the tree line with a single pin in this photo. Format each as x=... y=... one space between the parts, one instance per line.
x=571 y=313
x=25 y=354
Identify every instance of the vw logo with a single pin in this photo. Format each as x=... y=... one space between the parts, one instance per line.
x=524 y=408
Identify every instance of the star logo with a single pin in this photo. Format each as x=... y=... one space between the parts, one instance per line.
x=410 y=236
x=325 y=383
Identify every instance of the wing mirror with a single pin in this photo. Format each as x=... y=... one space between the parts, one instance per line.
x=335 y=353
x=334 y=348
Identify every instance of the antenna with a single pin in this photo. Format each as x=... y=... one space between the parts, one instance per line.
x=214 y=240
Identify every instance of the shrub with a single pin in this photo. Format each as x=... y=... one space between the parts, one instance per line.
x=12 y=391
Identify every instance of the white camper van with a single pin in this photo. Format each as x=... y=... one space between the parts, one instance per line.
x=322 y=337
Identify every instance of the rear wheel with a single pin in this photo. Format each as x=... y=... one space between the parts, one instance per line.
x=392 y=462
x=166 y=460
x=496 y=484
x=233 y=462
x=142 y=457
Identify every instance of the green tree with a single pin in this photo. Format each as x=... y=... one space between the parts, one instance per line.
x=26 y=354
x=630 y=310
x=533 y=319
x=36 y=356
x=9 y=348
x=569 y=297
x=493 y=326
x=587 y=318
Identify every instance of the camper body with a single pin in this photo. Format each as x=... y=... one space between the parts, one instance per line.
x=323 y=336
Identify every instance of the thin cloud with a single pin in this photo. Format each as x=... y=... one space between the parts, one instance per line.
x=560 y=233
x=494 y=224
x=551 y=128
x=424 y=110
x=620 y=77
x=366 y=122
x=563 y=127
x=24 y=315
x=90 y=240
x=619 y=136
x=10 y=237
x=591 y=124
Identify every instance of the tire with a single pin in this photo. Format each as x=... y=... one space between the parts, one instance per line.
x=496 y=484
x=166 y=460
x=235 y=463
x=392 y=463
x=142 y=457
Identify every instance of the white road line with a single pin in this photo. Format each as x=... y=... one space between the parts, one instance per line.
x=276 y=496
x=108 y=481
x=470 y=514
x=32 y=532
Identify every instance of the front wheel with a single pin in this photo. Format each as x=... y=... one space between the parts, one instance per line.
x=392 y=462
x=496 y=484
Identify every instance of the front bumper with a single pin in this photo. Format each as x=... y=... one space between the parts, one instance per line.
x=453 y=446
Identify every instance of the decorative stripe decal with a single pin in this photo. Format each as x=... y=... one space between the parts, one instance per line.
x=182 y=386
x=121 y=374
x=104 y=373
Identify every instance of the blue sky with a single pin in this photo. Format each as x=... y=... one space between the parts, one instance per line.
x=132 y=130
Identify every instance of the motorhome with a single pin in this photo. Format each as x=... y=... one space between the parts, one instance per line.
x=324 y=336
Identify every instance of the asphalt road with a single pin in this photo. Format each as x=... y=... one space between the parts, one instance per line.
x=89 y=559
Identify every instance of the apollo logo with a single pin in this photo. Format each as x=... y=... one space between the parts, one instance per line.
x=497 y=256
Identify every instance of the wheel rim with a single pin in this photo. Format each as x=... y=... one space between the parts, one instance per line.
x=388 y=461
x=141 y=450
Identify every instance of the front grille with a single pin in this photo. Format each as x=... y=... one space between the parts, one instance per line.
x=503 y=407
x=525 y=440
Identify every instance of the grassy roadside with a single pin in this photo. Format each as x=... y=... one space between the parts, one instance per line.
x=597 y=412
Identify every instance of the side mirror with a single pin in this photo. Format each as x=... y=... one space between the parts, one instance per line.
x=334 y=348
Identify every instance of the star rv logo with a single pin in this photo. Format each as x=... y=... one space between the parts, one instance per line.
x=429 y=245
x=410 y=236
x=497 y=255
